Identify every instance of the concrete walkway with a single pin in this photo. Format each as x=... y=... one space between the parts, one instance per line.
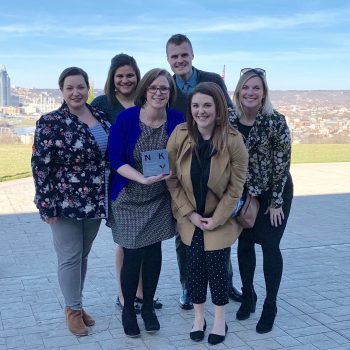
x=314 y=299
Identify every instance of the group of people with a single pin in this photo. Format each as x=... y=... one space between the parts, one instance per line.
x=87 y=166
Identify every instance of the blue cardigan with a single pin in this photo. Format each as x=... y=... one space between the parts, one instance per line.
x=123 y=138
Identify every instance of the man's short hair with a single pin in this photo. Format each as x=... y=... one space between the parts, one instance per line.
x=178 y=39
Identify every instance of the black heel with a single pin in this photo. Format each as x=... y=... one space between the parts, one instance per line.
x=248 y=305
x=199 y=335
x=214 y=339
x=267 y=318
x=150 y=320
x=129 y=321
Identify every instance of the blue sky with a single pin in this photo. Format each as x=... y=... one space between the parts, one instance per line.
x=302 y=44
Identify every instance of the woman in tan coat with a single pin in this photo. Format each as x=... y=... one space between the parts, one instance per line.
x=209 y=164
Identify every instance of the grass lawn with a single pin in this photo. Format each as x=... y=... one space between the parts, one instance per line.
x=19 y=122
x=15 y=159
x=323 y=153
x=26 y=122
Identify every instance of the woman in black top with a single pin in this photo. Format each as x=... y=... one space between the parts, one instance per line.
x=268 y=142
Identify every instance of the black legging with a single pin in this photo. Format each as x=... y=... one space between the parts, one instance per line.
x=150 y=258
x=269 y=238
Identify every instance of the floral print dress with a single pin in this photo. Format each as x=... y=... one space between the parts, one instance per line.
x=68 y=166
x=269 y=147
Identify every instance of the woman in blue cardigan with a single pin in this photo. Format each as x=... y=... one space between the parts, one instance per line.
x=120 y=87
x=141 y=211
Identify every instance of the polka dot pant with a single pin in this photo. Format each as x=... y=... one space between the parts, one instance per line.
x=207 y=267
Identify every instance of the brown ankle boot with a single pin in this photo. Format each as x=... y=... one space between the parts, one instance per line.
x=75 y=323
x=88 y=320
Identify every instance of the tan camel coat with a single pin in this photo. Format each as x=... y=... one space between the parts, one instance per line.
x=225 y=185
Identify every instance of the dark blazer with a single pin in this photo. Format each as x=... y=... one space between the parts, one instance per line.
x=225 y=185
x=122 y=141
x=180 y=104
x=68 y=166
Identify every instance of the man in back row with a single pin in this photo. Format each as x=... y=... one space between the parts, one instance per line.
x=180 y=56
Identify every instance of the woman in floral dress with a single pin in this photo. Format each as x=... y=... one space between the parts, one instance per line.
x=268 y=142
x=69 y=170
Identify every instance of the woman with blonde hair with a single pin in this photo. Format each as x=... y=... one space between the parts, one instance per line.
x=268 y=142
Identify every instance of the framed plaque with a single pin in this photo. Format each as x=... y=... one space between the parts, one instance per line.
x=155 y=162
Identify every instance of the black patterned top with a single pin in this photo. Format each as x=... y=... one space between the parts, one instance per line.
x=269 y=147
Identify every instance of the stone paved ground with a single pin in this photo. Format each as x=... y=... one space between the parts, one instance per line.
x=314 y=299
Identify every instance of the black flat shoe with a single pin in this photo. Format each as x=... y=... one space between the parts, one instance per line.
x=185 y=301
x=267 y=318
x=248 y=305
x=151 y=321
x=156 y=303
x=121 y=306
x=214 y=339
x=198 y=335
x=129 y=321
x=234 y=294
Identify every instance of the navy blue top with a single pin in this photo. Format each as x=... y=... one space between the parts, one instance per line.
x=123 y=138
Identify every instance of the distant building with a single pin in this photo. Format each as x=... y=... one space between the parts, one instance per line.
x=5 y=87
x=14 y=100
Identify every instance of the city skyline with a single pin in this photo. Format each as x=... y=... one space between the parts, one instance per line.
x=303 y=45
x=312 y=116
x=5 y=87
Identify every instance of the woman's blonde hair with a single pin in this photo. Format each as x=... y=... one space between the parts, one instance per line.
x=266 y=106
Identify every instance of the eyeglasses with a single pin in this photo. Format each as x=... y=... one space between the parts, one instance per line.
x=258 y=71
x=162 y=89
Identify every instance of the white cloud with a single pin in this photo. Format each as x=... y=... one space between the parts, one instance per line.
x=187 y=25
x=250 y=24
x=303 y=55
